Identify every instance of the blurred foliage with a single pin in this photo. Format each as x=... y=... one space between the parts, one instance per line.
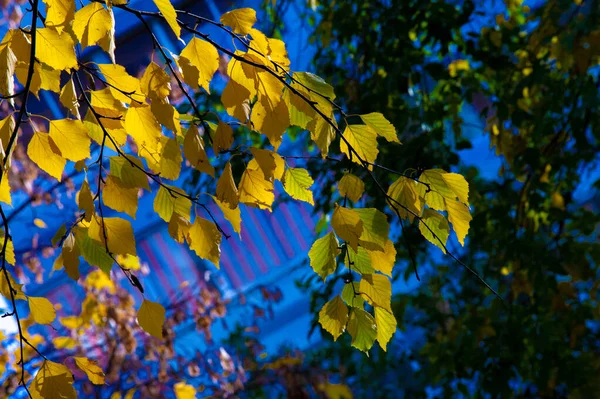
x=531 y=76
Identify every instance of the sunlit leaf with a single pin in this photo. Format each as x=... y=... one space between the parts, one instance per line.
x=381 y=126
x=240 y=21
x=205 y=240
x=120 y=198
x=204 y=58
x=46 y=155
x=119 y=234
x=363 y=140
x=55 y=50
x=362 y=328
x=297 y=182
x=151 y=317
x=71 y=138
x=386 y=326
x=226 y=190
x=42 y=310
x=375 y=228
x=351 y=186
x=91 y=369
x=348 y=225
x=168 y=202
x=168 y=12
x=460 y=217
x=434 y=227
x=333 y=317
x=323 y=255
x=377 y=290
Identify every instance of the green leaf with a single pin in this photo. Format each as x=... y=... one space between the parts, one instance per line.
x=323 y=254
x=348 y=295
x=381 y=126
x=363 y=329
x=375 y=229
x=433 y=225
x=297 y=182
x=376 y=289
x=333 y=317
x=93 y=252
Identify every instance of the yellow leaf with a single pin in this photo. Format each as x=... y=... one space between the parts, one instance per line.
x=438 y=227
x=168 y=12
x=381 y=126
x=141 y=124
x=297 y=182
x=458 y=185
x=117 y=77
x=179 y=228
x=240 y=21
x=85 y=200
x=265 y=160
x=40 y=223
x=223 y=138
x=458 y=65
x=301 y=113
x=93 y=25
x=167 y=115
x=204 y=58
x=320 y=90
x=120 y=198
x=386 y=326
x=375 y=229
x=59 y=13
x=205 y=240
x=91 y=369
x=363 y=139
x=184 y=391
x=5 y=288
x=440 y=185
x=55 y=50
x=71 y=138
x=271 y=121
x=5 y=190
x=255 y=190
x=155 y=83
x=171 y=158
x=244 y=75
x=8 y=63
x=68 y=98
x=151 y=317
x=53 y=380
x=10 y=249
x=404 y=191
x=235 y=100
x=376 y=289
x=194 y=152
x=363 y=329
x=336 y=391
x=459 y=216
x=347 y=225
x=64 y=342
x=333 y=317
x=70 y=257
x=226 y=190
x=119 y=234
x=384 y=261
x=42 y=310
x=130 y=176
x=232 y=215
x=323 y=255
x=167 y=203
x=7 y=126
x=351 y=186
x=46 y=155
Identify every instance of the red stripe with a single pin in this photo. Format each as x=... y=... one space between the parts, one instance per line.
x=153 y=261
x=166 y=253
x=233 y=277
x=293 y=225
x=308 y=220
x=235 y=248
x=289 y=251
x=266 y=240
